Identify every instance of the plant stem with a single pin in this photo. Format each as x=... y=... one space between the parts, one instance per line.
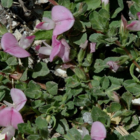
x=129 y=54
x=53 y=2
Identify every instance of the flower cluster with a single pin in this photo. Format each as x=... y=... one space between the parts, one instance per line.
x=10 y=116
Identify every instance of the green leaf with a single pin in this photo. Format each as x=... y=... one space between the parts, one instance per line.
x=2 y=95
x=3 y=29
x=72 y=82
x=128 y=137
x=33 y=137
x=62 y=126
x=136 y=134
x=12 y=61
x=119 y=9
x=73 y=134
x=80 y=73
x=97 y=113
x=80 y=9
x=65 y=3
x=99 y=65
x=86 y=137
x=105 y=82
x=33 y=90
x=97 y=38
x=24 y=76
x=37 y=103
x=47 y=14
x=134 y=122
x=43 y=35
x=41 y=123
x=52 y=87
x=91 y=5
x=70 y=105
x=127 y=98
x=25 y=128
x=132 y=87
x=6 y=3
x=80 y=39
x=114 y=107
x=99 y=22
x=40 y=70
x=81 y=100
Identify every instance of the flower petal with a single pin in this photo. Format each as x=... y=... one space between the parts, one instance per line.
x=8 y=41
x=55 y=51
x=85 y=132
x=65 y=49
x=42 y=25
x=134 y=26
x=18 y=97
x=98 y=131
x=25 y=42
x=5 y=115
x=37 y=47
x=92 y=47
x=47 y=24
x=113 y=65
x=9 y=116
x=18 y=52
x=45 y=50
x=63 y=18
x=9 y=132
x=51 y=23
x=16 y=118
x=56 y=48
x=138 y=14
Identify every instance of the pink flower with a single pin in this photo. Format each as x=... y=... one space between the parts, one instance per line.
x=92 y=47
x=62 y=20
x=61 y=49
x=25 y=42
x=113 y=65
x=98 y=131
x=10 y=117
x=18 y=97
x=134 y=25
x=11 y=45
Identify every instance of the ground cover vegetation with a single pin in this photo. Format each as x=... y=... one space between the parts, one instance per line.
x=70 y=69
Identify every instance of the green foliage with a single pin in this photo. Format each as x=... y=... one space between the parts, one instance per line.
x=43 y=35
x=40 y=70
x=7 y=3
x=52 y=87
x=3 y=29
x=56 y=104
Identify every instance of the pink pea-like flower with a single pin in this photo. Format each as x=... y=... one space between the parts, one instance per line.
x=60 y=48
x=10 y=45
x=113 y=65
x=98 y=131
x=62 y=20
x=134 y=25
x=10 y=117
x=18 y=97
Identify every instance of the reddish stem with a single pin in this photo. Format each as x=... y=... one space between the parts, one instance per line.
x=53 y=2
